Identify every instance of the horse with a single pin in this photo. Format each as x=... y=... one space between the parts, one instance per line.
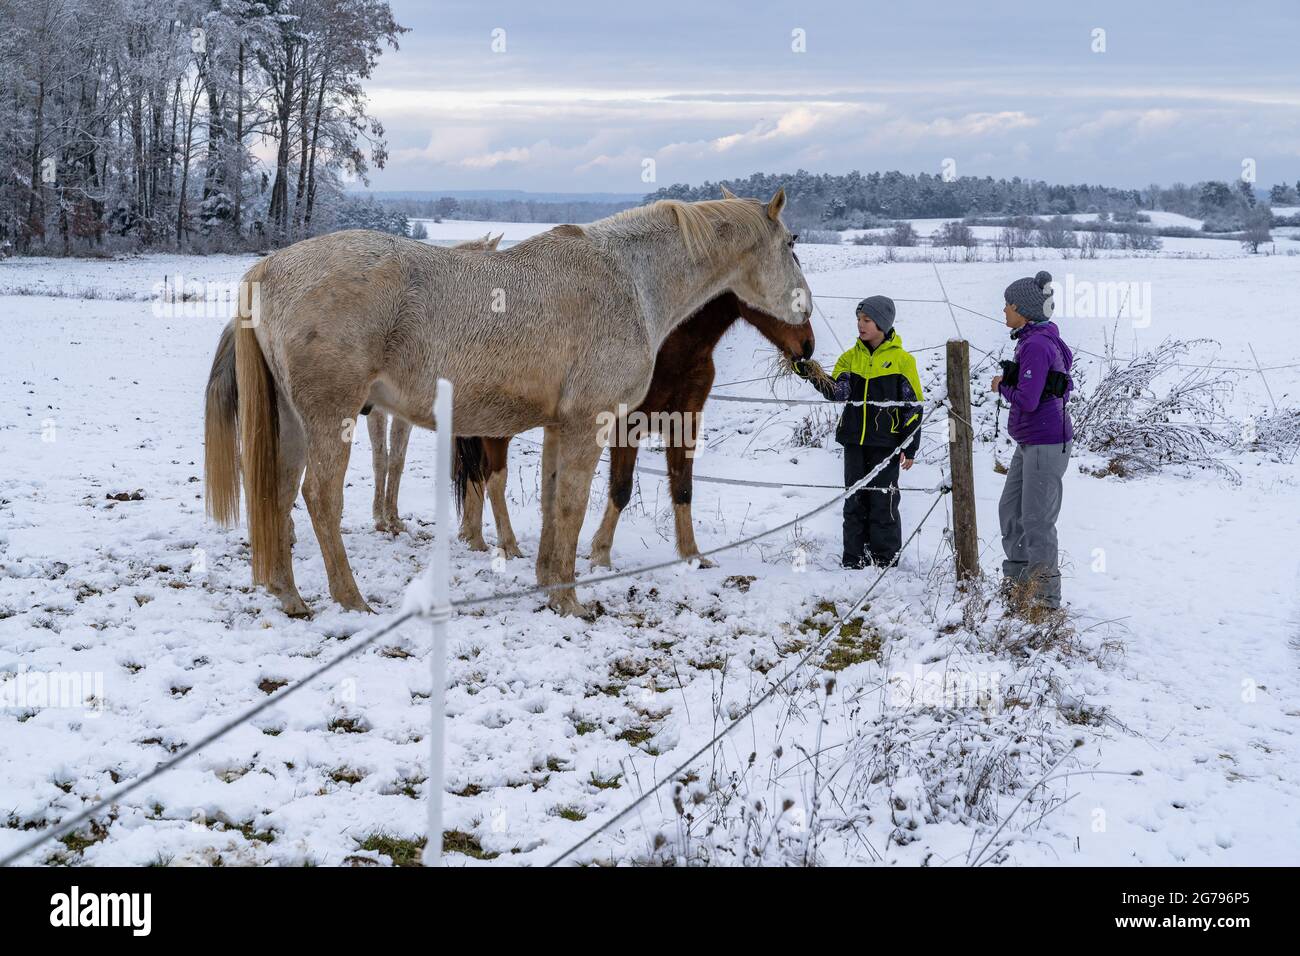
x=555 y=332
x=683 y=377
x=388 y=455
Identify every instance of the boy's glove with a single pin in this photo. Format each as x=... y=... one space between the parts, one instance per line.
x=802 y=369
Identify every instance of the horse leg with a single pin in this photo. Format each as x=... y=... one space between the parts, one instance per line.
x=293 y=458
x=398 y=437
x=578 y=454
x=550 y=454
x=496 y=489
x=376 y=424
x=327 y=466
x=471 y=517
x=622 y=463
x=681 y=467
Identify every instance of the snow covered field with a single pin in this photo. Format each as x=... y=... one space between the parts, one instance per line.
x=458 y=230
x=1184 y=588
x=1285 y=239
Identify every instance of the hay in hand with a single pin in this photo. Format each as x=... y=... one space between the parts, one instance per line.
x=782 y=366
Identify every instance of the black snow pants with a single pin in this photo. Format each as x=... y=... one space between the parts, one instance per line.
x=872 y=528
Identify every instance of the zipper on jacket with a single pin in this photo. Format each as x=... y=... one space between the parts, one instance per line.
x=866 y=393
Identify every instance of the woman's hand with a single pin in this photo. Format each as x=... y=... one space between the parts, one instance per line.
x=997 y=383
x=903 y=461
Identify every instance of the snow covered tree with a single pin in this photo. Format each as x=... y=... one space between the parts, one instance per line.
x=141 y=122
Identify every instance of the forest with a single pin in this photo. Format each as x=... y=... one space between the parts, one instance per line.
x=184 y=125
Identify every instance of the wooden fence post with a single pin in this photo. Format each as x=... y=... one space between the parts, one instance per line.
x=960 y=463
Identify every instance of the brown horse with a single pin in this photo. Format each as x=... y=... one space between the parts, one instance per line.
x=683 y=377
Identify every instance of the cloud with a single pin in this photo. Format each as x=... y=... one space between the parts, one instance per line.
x=448 y=143
x=1119 y=125
x=515 y=154
x=968 y=125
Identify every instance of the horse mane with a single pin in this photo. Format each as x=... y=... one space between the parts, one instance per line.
x=485 y=244
x=696 y=222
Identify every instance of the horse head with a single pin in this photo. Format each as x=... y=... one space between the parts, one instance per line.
x=794 y=341
x=768 y=277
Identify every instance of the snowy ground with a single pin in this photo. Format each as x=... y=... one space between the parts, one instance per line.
x=1184 y=588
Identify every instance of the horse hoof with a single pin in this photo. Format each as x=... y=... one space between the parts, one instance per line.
x=295 y=607
x=511 y=550
x=354 y=603
x=475 y=544
x=568 y=606
x=704 y=562
x=600 y=559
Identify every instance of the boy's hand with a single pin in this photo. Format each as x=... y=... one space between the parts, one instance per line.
x=801 y=368
x=997 y=382
x=903 y=461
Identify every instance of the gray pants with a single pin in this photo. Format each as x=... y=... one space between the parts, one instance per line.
x=1031 y=502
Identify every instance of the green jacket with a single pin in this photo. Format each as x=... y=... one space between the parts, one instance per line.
x=886 y=375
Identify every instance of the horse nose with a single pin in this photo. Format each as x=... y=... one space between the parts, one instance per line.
x=807 y=348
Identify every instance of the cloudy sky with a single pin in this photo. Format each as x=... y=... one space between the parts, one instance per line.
x=577 y=94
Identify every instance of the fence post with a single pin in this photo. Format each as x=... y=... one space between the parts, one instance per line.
x=439 y=616
x=960 y=463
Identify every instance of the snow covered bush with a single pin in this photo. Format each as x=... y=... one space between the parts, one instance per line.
x=968 y=715
x=1142 y=425
x=824 y=237
x=1276 y=433
x=814 y=428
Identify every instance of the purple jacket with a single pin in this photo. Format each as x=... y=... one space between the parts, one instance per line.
x=1033 y=420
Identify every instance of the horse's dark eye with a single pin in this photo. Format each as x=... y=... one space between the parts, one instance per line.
x=794 y=239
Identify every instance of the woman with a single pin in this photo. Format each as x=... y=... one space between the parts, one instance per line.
x=1037 y=386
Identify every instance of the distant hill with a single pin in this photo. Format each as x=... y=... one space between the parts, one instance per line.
x=519 y=195
x=501 y=205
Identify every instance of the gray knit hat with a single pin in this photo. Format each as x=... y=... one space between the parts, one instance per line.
x=880 y=310
x=1032 y=297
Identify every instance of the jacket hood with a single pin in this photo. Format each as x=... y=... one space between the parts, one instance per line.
x=895 y=341
x=1049 y=332
x=1047 y=328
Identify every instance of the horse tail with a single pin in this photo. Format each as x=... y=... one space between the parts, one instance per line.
x=220 y=440
x=469 y=465
x=259 y=439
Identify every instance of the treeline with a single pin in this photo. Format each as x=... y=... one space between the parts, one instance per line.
x=865 y=201
x=505 y=210
x=183 y=124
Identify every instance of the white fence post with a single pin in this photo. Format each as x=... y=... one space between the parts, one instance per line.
x=439 y=615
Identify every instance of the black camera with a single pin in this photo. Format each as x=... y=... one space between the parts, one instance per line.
x=1010 y=373
x=1057 y=384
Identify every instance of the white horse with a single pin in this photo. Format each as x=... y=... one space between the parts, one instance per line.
x=555 y=332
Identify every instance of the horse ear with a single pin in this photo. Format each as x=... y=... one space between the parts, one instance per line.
x=776 y=205
x=492 y=243
x=728 y=194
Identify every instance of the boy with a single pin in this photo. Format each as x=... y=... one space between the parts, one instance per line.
x=878 y=369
